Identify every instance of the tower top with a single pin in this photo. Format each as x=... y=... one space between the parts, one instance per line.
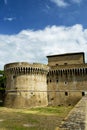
x=67 y=58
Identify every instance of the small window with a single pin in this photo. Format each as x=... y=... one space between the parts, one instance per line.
x=66 y=93
x=52 y=98
x=57 y=80
x=83 y=93
x=65 y=82
x=65 y=63
x=50 y=80
x=14 y=76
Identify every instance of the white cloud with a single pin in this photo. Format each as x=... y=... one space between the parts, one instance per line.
x=60 y=3
x=5 y=1
x=9 y=19
x=34 y=46
x=63 y=3
x=77 y=1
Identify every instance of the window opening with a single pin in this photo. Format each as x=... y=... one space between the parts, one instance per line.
x=57 y=80
x=66 y=93
x=83 y=93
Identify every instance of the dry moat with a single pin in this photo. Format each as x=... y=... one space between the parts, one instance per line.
x=47 y=118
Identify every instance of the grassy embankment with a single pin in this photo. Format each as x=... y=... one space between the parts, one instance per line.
x=47 y=118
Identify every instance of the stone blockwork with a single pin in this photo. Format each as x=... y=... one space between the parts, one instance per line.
x=26 y=85
x=67 y=79
x=77 y=118
x=63 y=59
x=62 y=82
x=67 y=84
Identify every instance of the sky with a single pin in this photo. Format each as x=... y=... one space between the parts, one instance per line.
x=30 y=30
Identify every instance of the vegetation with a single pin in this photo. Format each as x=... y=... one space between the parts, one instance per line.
x=48 y=118
x=2 y=80
x=2 y=87
x=41 y=118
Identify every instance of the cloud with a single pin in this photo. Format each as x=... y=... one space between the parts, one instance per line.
x=77 y=1
x=34 y=46
x=5 y=1
x=9 y=19
x=60 y=3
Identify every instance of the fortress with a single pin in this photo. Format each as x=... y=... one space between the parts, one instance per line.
x=62 y=82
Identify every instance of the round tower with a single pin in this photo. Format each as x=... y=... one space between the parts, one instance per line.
x=26 y=84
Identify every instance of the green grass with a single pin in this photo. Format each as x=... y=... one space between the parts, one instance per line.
x=41 y=118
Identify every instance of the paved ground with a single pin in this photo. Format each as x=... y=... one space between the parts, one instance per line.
x=77 y=118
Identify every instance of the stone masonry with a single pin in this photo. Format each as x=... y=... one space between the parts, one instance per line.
x=66 y=79
x=26 y=85
x=77 y=118
x=62 y=82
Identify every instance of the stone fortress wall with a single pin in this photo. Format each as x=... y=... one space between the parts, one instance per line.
x=62 y=82
x=26 y=85
x=67 y=79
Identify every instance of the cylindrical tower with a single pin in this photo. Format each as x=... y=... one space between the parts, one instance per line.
x=26 y=85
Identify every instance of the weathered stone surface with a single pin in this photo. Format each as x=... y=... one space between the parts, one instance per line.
x=76 y=120
x=67 y=79
x=26 y=85
x=63 y=83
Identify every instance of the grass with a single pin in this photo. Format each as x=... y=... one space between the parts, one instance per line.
x=41 y=118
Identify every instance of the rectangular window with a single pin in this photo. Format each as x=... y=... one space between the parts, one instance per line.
x=52 y=98
x=14 y=76
x=83 y=93
x=65 y=63
x=66 y=93
x=57 y=80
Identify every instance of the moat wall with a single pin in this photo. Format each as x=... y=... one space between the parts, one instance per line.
x=77 y=118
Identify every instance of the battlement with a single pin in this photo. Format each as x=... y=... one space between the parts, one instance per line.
x=26 y=68
x=75 y=69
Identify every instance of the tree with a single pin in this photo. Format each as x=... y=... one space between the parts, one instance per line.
x=2 y=80
x=2 y=86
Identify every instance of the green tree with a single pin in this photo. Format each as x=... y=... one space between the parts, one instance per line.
x=2 y=80
x=2 y=87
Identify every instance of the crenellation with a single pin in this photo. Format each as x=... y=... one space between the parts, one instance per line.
x=63 y=80
x=66 y=72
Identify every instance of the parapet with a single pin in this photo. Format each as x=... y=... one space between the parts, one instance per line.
x=25 y=67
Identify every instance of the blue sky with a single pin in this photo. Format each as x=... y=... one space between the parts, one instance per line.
x=32 y=29
x=16 y=15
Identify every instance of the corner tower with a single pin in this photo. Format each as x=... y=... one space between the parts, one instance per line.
x=26 y=85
